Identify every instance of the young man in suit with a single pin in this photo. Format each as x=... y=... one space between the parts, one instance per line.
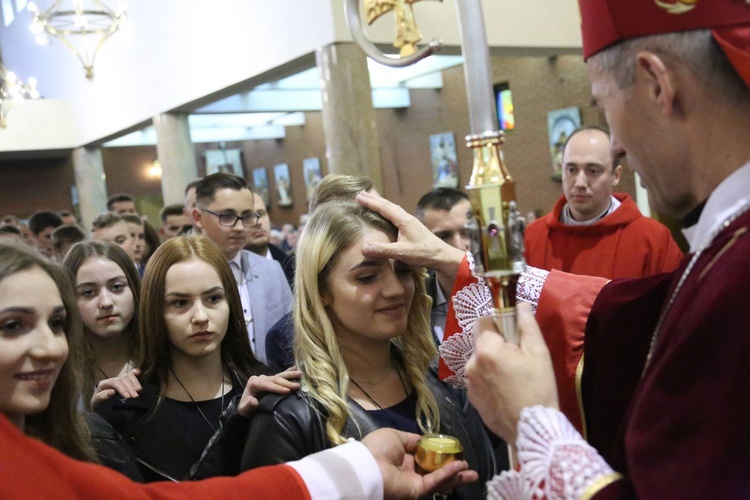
x=224 y=214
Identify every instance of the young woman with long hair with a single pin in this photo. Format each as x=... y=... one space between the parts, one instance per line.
x=195 y=357
x=40 y=335
x=108 y=291
x=363 y=341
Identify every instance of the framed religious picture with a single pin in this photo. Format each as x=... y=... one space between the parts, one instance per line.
x=444 y=160
x=228 y=161
x=560 y=124
x=260 y=185
x=283 y=184
x=311 y=169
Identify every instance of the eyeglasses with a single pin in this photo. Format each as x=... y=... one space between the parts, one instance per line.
x=229 y=220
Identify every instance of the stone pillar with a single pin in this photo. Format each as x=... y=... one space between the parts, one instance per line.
x=88 y=168
x=176 y=156
x=352 y=145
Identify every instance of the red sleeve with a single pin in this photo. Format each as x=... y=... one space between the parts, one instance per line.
x=31 y=469
x=464 y=278
x=564 y=306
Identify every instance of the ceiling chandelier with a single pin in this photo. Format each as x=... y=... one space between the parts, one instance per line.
x=12 y=90
x=83 y=26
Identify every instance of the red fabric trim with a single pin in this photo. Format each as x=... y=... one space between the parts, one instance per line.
x=735 y=42
x=562 y=312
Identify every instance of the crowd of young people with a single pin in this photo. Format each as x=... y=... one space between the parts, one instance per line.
x=167 y=363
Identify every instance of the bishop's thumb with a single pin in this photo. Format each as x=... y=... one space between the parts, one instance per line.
x=530 y=335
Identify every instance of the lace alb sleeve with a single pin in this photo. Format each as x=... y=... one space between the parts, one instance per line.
x=556 y=463
x=473 y=302
x=530 y=285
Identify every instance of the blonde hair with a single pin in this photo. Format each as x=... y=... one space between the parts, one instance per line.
x=338 y=186
x=332 y=229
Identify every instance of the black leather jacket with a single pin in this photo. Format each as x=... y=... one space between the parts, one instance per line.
x=111 y=448
x=290 y=427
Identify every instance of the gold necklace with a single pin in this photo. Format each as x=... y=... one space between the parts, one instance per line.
x=406 y=393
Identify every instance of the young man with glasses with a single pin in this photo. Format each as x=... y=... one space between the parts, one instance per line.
x=224 y=213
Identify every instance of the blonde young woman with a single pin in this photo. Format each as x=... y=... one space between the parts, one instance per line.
x=363 y=342
x=279 y=348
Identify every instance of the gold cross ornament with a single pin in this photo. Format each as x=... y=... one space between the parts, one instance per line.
x=407 y=33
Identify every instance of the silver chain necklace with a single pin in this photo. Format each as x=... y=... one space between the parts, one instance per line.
x=195 y=402
x=657 y=331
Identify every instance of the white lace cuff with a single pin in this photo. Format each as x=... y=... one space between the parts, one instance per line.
x=473 y=302
x=555 y=461
x=530 y=285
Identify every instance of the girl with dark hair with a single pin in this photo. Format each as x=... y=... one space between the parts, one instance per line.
x=195 y=358
x=108 y=293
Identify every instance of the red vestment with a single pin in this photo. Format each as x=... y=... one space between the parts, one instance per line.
x=624 y=244
x=31 y=469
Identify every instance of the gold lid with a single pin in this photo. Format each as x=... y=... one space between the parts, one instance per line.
x=441 y=443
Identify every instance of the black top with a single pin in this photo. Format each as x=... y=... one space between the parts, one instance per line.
x=177 y=434
x=401 y=416
x=167 y=436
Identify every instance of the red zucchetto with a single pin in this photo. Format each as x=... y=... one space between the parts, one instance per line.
x=606 y=22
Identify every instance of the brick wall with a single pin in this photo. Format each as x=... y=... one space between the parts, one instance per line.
x=35 y=184
x=539 y=85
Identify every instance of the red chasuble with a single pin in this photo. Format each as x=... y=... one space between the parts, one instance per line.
x=624 y=244
x=30 y=469
x=684 y=426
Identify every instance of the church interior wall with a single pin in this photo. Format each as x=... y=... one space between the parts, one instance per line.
x=538 y=84
x=28 y=185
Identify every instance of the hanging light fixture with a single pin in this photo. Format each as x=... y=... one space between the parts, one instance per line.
x=83 y=27
x=12 y=89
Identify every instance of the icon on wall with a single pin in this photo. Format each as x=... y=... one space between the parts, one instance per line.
x=260 y=185
x=313 y=175
x=228 y=161
x=444 y=160
x=560 y=124
x=283 y=184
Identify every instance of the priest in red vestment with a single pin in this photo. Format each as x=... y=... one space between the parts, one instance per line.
x=592 y=231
